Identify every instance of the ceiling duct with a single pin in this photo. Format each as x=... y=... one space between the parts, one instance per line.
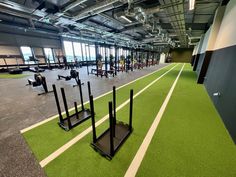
x=190 y=39
x=146 y=17
x=97 y=8
x=50 y=7
x=156 y=28
x=177 y=20
x=60 y=21
x=73 y=5
x=70 y=31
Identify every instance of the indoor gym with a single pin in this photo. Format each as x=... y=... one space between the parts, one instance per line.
x=117 y=88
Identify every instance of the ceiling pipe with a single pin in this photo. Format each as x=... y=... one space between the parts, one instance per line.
x=193 y=38
x=145 y=16
x=111 y=19
x=178 y=25
x=97 y=8
x=73 y=5
x=161 y=43
x=66 y=21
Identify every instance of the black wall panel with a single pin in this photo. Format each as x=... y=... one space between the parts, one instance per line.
x=192 y=60
x=204 y=66
x=221 y=77
x=196 y=62
x=200 y=62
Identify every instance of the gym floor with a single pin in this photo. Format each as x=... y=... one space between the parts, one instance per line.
x=190 y=140
x=21 y=107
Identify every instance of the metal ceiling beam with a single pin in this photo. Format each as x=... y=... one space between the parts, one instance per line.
x=167 y=26
x=73 y=5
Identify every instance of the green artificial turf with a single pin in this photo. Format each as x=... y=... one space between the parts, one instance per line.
x=82 y=160
x=191 y=140
x=48 y=137
x=12 y=76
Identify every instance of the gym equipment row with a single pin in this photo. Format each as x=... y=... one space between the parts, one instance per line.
x=124 y=60
x=109 y=142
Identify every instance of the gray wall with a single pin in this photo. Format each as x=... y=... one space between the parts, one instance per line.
x=221 y=72
x=19 y=37
x=209 y=44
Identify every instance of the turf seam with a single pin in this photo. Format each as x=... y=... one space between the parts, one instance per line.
x=136 y=162
x=70 y=143
x=71 y=109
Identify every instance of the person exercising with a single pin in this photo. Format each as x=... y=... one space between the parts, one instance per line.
x=76 y=63
x=112 y=65
x=100 y=65
x=122 y=64
x=65 y=62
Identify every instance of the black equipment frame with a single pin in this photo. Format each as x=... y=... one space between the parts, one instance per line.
x=72 y=120
x=109 y=142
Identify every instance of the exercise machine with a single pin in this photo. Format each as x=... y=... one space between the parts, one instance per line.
x=35 y=69
x=38 y=81
x=108 y=143
x=74 y=119
x=99 y=71
x=73 y=75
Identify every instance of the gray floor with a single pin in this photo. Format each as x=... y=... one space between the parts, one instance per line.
x=22 y=107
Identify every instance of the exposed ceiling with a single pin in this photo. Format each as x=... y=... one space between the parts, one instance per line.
x=143 y=23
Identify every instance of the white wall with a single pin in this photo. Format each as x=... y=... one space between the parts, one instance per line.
x=200 y=45
x=205 y=41
x=215 y=27
x=227 y=33
x=195 y=49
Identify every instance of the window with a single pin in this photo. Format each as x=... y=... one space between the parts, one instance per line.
x=92 y=52
x=77 y=50
x=102 y=52
x=107 y=52
x=112 y=51
x=27 y=54
x=84 y=51
x=49 y=55
x=120 y=51
x=87 y=52
x=69 y=51
x=125 y=53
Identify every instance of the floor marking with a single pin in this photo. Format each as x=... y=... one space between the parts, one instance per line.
x=66 y=146
x=55 y=116
x=134 y=166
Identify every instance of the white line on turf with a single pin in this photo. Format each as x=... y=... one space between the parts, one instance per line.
x=55 y=116
x=66 y=146
x=136 y=162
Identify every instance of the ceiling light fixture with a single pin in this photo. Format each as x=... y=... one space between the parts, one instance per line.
x=191 y=4
x=125 y=18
